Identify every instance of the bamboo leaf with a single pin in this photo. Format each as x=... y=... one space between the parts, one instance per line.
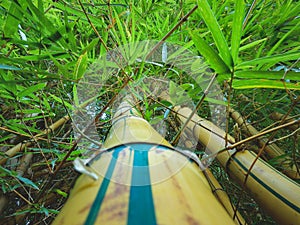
x=90 y=46
x=252 y=44
x=9 y=86
x=47 y=25
x=7 y=67
x=279 y=42
x=37 y=57
x=61 y=101
x=212 y=24
x=66 y=6
x=62 y=68
x=237 y=28
x=264 y=83
x=271 y=75
x=121 y=29
x=41 y=5
x=62 y=193
x=271 y=59
x=28 y=182
x=44 y=22
x=14 y=17
x=80 y=66
x=209 y=54
x=31 y=90
x=75 y=96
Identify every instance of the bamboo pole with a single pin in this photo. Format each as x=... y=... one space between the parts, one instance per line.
x=220 y=193
x=223 y=198
x=271 y=150
x=173 y=188
x=276 y=193
x=278 y=116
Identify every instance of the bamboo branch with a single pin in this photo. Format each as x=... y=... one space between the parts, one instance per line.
x=22 y=145
x=278 y=116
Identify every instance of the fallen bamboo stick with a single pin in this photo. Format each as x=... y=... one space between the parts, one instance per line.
x=223 y=198
x=216 y=187
x=220 y=193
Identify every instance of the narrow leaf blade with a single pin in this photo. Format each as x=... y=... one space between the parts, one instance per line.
x=28 y=182
x=80 y=66
x=264 y=83
x=211 y=22
x=209 y=54
x=237 y=28
x=270 y=75
x=31 y=90
x=271 y=59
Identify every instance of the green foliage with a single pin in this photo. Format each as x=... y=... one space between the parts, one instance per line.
x=213 y=26
x=47 y=47
x=221 y=56
x=17 y=182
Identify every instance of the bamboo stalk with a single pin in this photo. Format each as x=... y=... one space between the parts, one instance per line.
x=223 y=198
x=220 y=193
x=276 y=193
x=271 y=150
x=130 y=144
x=278 y=116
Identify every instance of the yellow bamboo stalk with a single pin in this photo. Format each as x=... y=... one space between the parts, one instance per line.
x=271 y=150
x=220 y=193
x=177 y=192
x=224 y=199
x=276 y=193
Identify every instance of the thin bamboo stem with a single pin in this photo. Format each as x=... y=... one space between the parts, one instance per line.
x=278 y=116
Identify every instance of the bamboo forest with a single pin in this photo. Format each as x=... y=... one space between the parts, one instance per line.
x=150 y=112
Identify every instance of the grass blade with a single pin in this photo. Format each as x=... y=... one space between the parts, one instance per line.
x=7 y=67
x=279 y=42
x=252 y=44
x=270 y=75
x=30 y=90
x=14 y=17
x=80 y=66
